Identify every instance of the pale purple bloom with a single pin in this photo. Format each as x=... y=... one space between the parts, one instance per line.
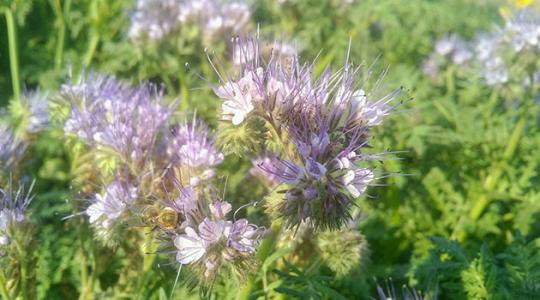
x=328 y=118
x=12 y=148
x=523 y=30
x=216 y=241
x=154 y=19
x=495 y=71
x=109 y=113
x=190 y=145
x=107 y=208
x=13 y=206
x=454 y=47
x=38 y=116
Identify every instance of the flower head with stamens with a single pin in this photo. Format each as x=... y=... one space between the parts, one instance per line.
x=11 y=149
x=191 y=149
x=107 y=208
x=326 y=121
x=217 y=243
x=108 y=113
x=13 y=204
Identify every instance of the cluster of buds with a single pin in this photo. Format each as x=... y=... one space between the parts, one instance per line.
x=163 y=174
x=496 y=53
x=323 y=124
x=157 y=19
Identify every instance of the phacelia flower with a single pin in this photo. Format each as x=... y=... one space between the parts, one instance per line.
x=13 y=205
x=216 y=242
x=523 y=30
x=154 y=19
x=11 y=149
x=108 y=207
x=36 y=104
x=189 y=146
x=326 y=119
x=106 y=112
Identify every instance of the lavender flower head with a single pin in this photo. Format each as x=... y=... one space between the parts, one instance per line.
x=189 y=146
x=36 y=104
x=455 y=48
x=154 y=19
x=523 y=30
x=217 y=242
x=108 y=113
x=107 y=208
x=13 y=205
x=11 y=149
x=327 y=119
x=157 y=19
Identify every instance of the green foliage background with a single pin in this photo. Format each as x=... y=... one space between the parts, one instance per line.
x=418 y=228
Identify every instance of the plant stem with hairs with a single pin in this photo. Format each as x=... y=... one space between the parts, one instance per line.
x=3 y=287
x=13 y=53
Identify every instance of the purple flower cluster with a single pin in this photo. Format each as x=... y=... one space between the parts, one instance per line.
x=190 y=146
x=108 y=207
x=493 y=53
x=156 y=19
x=327 y=119
x=36 y=105
x=13 y=205
x=214 y=241
x=108 y=113
x=164 y=170
x=11 y=149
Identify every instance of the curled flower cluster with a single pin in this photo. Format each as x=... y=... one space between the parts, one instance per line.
x=11 y=149
x=163 y=175
x=494 y=53
x=158 y=18
x=13 y=205
x=325 y=121
x=108 y=113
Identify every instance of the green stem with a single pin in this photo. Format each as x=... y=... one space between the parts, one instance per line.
x=23 y=269
x=3 y=287
x=94 y=40
x=13 y=53
x=85 y=287
x=450 y=81
x=493 y=178
x=60 y=12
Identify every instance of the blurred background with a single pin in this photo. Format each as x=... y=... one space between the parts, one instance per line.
x=459 y=220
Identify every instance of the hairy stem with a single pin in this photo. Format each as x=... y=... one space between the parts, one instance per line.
x=3 y=287
x=61 y=35
x=493 y=178
x=13 y=53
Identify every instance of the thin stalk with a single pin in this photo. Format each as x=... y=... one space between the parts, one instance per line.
x=23 y=269
x=85 y=288
x=89 y=54
x=450 y=81
x=61 y=35
x=13 y=53
x=3 y=287
x=493 y=178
